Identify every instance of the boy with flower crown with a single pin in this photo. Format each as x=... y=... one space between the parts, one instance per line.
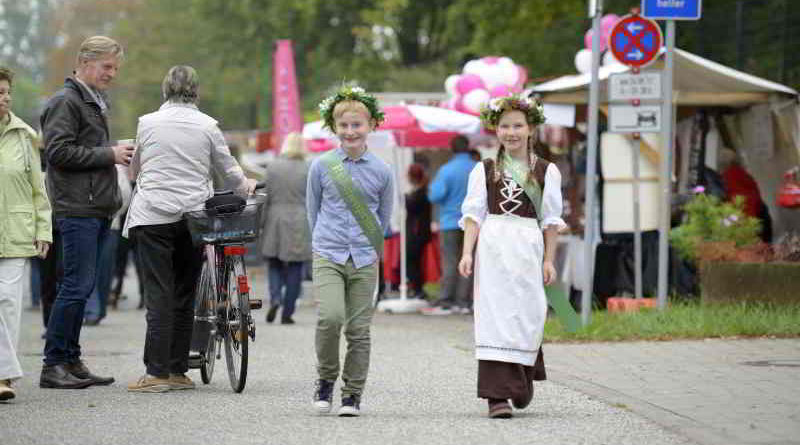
x=349 y=201
x=513 y=211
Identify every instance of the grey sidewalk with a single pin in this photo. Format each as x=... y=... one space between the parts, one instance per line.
x=714 y=391
x=421 y=390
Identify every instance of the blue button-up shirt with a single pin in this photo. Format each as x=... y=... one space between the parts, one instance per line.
x=449 y=188
x=335 y=233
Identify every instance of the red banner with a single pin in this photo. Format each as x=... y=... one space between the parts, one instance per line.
x=286 y=116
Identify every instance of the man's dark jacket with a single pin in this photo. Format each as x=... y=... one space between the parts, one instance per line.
x=81 y=176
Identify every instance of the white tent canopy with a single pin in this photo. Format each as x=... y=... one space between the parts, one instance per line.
x=697 y=81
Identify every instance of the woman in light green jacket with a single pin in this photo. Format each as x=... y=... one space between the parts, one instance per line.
x=25 y=227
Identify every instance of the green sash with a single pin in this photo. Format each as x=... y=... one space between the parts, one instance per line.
x=354 y=200
x=520 y=175
x=555 y=296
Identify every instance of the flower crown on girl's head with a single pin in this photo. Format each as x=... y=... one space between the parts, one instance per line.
x=350 y=92
x=490 y=114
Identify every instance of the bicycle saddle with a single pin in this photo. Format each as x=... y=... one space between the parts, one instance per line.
x=222 y=204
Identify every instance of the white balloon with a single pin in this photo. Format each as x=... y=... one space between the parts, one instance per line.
x=609 y=59
x=450 y=84
x=509 y=74
x=583 y=61
x=475 y=100
x=472 y=67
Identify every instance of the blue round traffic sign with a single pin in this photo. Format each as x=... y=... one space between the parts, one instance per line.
x=635 y=41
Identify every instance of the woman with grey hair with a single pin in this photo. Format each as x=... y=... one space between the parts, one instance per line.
x=178 y=147
x=286 y=238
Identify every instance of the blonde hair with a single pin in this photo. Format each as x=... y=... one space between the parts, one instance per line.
x=97 y=47
x=294 y=147
x=355 y=106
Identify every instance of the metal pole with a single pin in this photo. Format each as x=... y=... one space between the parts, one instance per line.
x=637 y=223
x=667 y=142
x=591 y=162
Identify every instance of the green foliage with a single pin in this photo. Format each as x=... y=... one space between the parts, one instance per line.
x=684 y=320
x=710 y=220
x=349 y=93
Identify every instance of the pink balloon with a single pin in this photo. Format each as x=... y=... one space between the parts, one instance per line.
x=500 y=91
x=490 y=60
x=459 y=106
x=522 y=76
x=587 y=41
x=516 y=89
x=468 y=82
x=607 y=23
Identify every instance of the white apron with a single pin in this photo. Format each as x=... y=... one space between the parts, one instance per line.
x=510 y=303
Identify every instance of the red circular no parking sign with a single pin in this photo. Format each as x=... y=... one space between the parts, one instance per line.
x=635 y=41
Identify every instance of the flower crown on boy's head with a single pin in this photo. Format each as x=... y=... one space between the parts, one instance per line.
x=490 y=114
x=350 y=92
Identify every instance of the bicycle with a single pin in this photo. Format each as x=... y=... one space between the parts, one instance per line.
x=222 y=301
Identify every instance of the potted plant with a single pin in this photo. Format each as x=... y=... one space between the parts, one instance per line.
x=734 y=264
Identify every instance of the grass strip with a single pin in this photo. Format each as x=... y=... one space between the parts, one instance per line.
x=684 y=320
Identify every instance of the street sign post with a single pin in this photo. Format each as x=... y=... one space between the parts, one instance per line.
x=672 y=9
x=642 y=86
x=635 y=41
x=634 y=119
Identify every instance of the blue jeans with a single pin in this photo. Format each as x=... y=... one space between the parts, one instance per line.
x=288 y=274
x=98 y=301
x=81 y=242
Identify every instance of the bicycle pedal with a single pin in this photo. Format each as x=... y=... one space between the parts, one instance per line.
x=256 y=303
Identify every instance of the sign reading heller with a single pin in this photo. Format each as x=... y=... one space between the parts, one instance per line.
x=672 y=9
x=630 y=119
x=642 y=86
x=635 y=41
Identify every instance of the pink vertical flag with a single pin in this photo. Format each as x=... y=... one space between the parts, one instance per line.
x=286 y=116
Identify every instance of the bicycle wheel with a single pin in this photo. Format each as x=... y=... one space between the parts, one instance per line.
x=237 y=317
x=206 y=313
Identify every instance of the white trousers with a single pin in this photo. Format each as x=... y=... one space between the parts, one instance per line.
x=15 y=288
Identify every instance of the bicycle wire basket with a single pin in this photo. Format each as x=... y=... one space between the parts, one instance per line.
x=211 y=227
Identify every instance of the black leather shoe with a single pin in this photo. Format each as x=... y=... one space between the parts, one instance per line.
x=79 y=370
x=57 y=376
x=287 y=320
x=273 y=311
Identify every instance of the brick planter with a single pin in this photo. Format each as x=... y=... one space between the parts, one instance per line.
x=621 y=304
x=775 y=282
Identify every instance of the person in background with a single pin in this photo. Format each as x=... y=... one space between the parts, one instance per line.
x=418 y=227
x=448 y=189
x=285 y=238
x=178 y=146
x=738 y=182
x=25 y=229
x=82 y=184
x=98 y=301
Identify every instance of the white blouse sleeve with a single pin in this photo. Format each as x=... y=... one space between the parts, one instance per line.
x=552 y=203
x=475 y=205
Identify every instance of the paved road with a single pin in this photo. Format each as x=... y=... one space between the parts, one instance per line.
x=421 y=391
x=715 y=391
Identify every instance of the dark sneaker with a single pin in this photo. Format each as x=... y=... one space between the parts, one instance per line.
x=287 y=320
x=351 y=406
x=499 y=409
x=273 y=311
x=323 y=396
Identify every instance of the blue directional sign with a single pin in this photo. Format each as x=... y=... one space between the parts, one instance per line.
x=672 y=9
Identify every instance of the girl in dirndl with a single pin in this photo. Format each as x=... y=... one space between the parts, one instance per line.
x=513 y=211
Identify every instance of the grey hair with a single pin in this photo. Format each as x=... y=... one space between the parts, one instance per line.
x=180 y=84
x=97 y=47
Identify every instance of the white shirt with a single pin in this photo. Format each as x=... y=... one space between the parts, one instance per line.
x=177 y=147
